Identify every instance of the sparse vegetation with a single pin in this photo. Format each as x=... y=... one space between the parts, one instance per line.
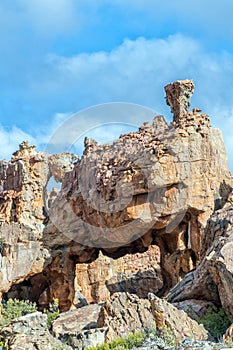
x=123 y=343
x=14 y=308
x=53 y=311
x=216 y=322
x=135 y=340
x=2 y=342
x=169 y=338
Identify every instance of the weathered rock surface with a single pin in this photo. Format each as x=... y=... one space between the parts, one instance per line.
x=23 y=184
x=155 y=186
x=79 y=328
x=126 y=313
x=23 y=214
x=120 y=316
x=212 y=279
x=160 y=343
x=30 y=332
x=228 y=336
x=194 y=308
x=168 y=316
x=138 y=274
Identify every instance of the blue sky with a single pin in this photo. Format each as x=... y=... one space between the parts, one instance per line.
x=61 y=56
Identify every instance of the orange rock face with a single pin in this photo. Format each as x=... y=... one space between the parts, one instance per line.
x=137 y=273
x=154 y=187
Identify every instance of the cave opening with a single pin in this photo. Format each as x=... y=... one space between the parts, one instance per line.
x=31 y=289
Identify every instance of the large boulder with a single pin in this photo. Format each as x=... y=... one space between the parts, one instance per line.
x=30 y=332
x=120 y=316
x=126 y=313
x=79 y=328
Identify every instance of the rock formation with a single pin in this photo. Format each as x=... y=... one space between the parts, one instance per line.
x=131 y=216
x=138 y=273
x=79 y=328
x=23 y=213
x=154 y=187
x=120 y=316
x=30 y=332
x=212 y=280
x=157 y=186
x=178 y=96
x=126 y=313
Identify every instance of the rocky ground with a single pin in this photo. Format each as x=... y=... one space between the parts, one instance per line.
x=187 y=344
x=139 y=237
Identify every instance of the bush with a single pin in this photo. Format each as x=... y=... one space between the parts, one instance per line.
x=169 y=337
x=53 y=311
x=215 y=321
x=2 y=342
x=135 y=340
x=15 y=308
x=124 y=343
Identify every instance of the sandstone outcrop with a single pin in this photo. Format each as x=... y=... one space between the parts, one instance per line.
x=126 y=313
x=154 y=187
x=157 y=186
x=195 y=308
x=138 y=274
x=23 y=214
x=79 y=328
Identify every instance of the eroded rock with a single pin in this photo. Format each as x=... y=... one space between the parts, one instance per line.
x=138 y=274
x=212 y=280
x=126 y=313
x=30 y=332
x=155 y=186
x=79 y=328
x=195 y=308
x=23 y=214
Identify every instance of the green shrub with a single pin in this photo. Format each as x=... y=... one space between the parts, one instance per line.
x=124 y=343
x=15 y=308
x=215 y=321
x=2 y=342
x=169 y=337
x=53 y=311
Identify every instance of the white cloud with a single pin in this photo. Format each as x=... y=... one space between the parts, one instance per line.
x=10 y=140
x=136 y=71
